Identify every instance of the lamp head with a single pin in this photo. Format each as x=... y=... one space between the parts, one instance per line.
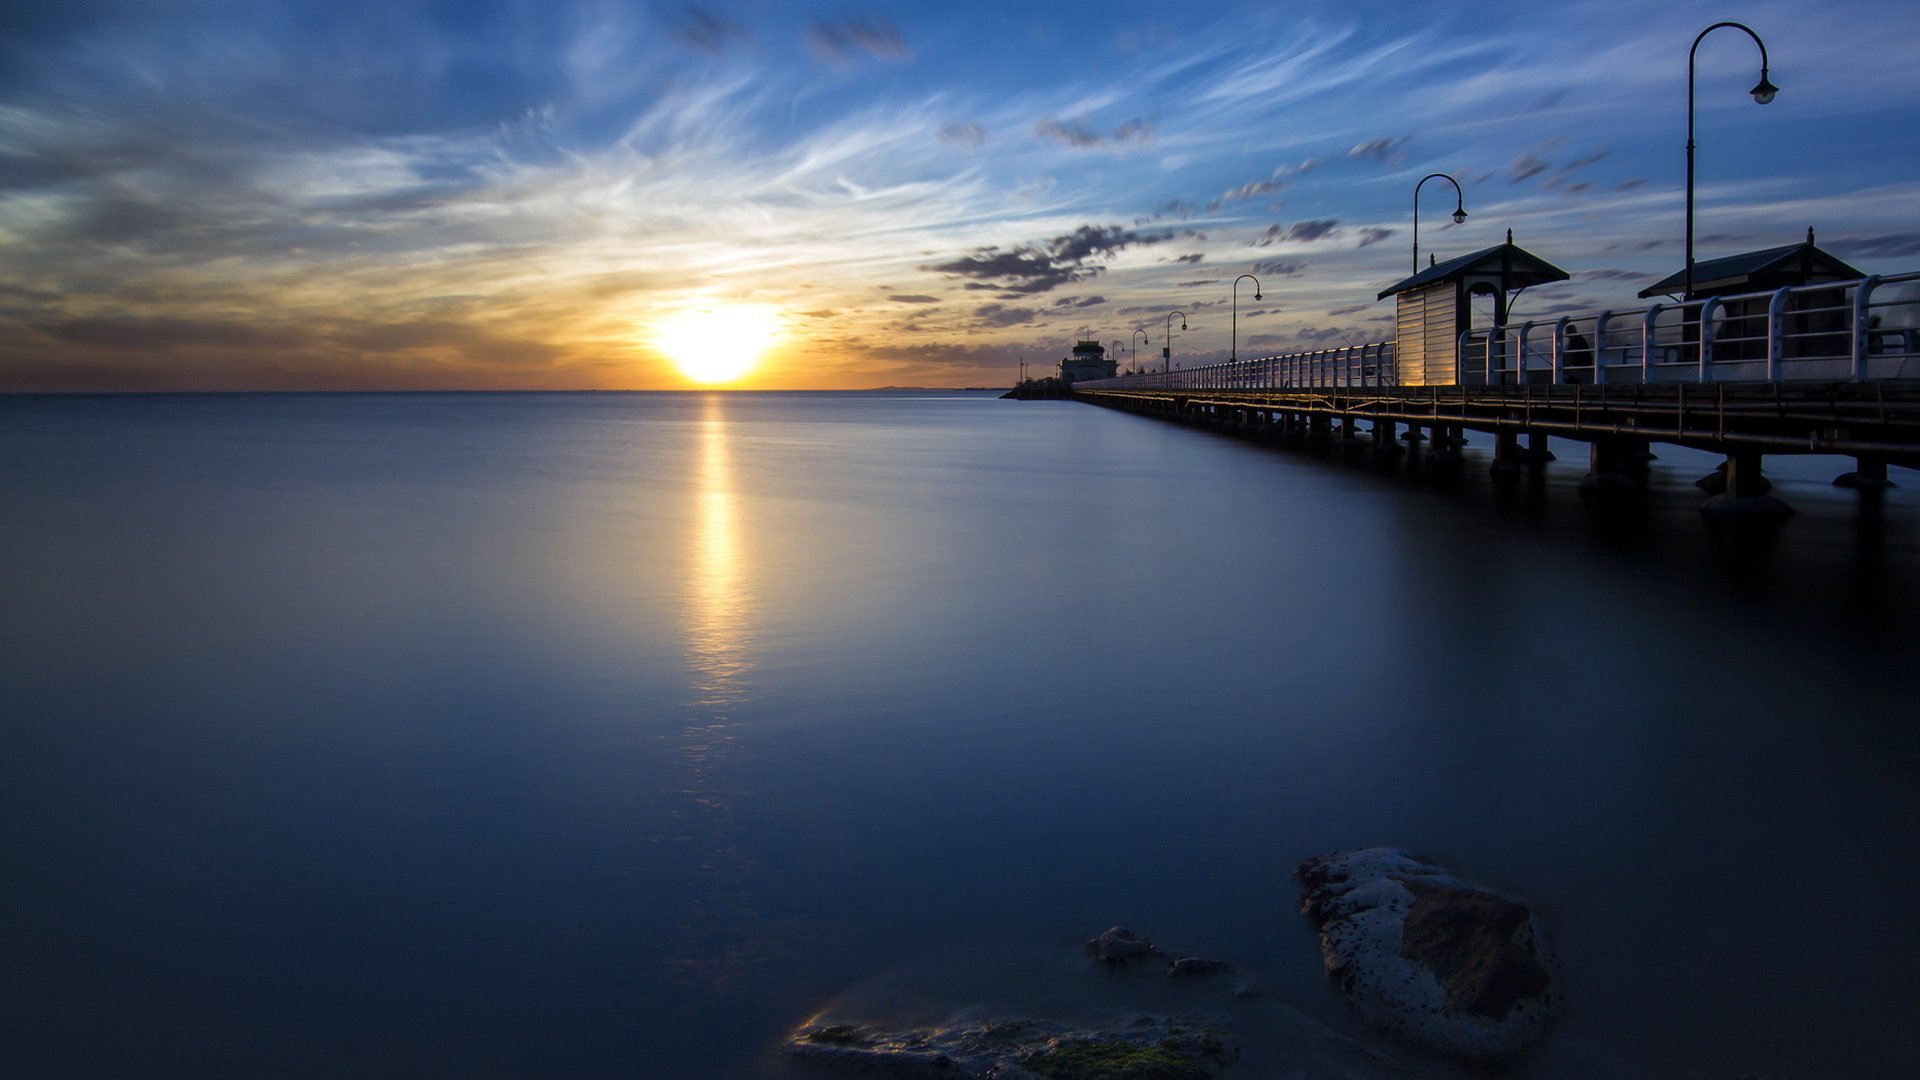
x=1459 y=216
x=1257 y=296
x=1764 y=90
x=1183 y=324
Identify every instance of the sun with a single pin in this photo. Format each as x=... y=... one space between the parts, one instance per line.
x=720 y=343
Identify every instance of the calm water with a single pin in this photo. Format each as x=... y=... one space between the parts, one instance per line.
x=610 y=735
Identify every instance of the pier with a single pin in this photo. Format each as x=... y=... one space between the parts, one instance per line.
x=1819 y=367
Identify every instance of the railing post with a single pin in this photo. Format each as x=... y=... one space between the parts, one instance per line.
x=1862 y=325
x=1520 y=354
x=1648 y=333
x=1776 y=331
x=1599 y=342
x=1558 y=361
x=1706 y=334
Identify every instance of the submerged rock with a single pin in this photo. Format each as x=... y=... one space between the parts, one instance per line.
x=1118 y=946
x=1137 y=1048
x=1194 y=967
x=1447 y=964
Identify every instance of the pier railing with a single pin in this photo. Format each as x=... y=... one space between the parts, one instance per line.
x=1353 y=365
x=1849 y=331
x=1843 y=331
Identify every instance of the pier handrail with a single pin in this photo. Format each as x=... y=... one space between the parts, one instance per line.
x=1836 y=331
x=1371 y=364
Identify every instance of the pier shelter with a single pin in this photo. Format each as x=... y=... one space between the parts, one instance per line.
x=1089 y=361
x=1814 y=323
x=1434 y=307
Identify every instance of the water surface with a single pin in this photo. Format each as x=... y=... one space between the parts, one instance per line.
x=609 y=735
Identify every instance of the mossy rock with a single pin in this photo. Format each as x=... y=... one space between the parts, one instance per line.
x=1114 y=1061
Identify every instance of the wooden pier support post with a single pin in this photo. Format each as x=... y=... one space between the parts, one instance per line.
x=1385 y=446
x=1746 y=495
x=1537 y=455
x=1448 y=441
x=1508 y=459
x=1869 y=474
x=1616 y=473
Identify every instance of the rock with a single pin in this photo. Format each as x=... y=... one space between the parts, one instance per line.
x=1157 y=1047
x=1193 y=967
x=1447 y=964
x=1118 y=946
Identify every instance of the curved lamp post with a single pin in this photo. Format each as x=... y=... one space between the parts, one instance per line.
x=1166 y=351
x=1763 y=92
x=1233 y=353
x=1133 y=347
x=1459 y=210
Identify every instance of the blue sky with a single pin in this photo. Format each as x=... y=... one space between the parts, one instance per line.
x=225 y=195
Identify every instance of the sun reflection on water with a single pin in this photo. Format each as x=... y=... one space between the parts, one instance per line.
x=719 y=635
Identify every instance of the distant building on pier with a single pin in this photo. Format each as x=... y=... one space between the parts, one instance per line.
x=1089 y=361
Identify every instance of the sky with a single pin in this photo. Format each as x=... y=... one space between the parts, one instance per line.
x=231 y=195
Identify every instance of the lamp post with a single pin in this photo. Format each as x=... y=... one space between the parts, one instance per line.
x=1133 y=347
x=1233 y=352
x=1459 y=210
x=1166 y=351
x=1762 y=92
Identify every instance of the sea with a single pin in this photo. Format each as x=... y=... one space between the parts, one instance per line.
x=617 y=735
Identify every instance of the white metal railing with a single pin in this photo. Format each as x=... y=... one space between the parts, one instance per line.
x=1354 y=365
x=1843 y=331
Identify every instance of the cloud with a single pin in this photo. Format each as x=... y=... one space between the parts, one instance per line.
x=850 y=38
x=1037 y=269
x=1078 y=134
x=1373 y=235
x=1196 y=284
x=1300 y=232
x=1380 y=150
x=1000 y=315
x=1070 y=133
x=1886 y=246
x=965 y=134
x=708 y=31
x=1525 y=167
x=913 y=298
x=1081 y=302
x=1248 y=191
x=1278 y=268
x=1193 y=258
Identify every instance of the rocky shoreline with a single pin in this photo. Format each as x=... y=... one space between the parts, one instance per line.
x=1435 y=961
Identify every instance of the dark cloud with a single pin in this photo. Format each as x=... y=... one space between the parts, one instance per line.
x=1070 y=133
x=1525 y=167
x=1630 y=185
x=1278 y=268
x=1887 y=246
x=1040 y=268
x=855 y=37
x=1001 y=315
x=1196 y=284
x=1380 y=150
x=964 y=134
x=1248 y=191
x=1194 y=258
x=913 y=298
x=1581 y=163
x=1610 y=275
x=1300 y=232
x=1354 y=310
x=1373 y=235
x=708 y=31
x=1080 y=302
x=1078 y=133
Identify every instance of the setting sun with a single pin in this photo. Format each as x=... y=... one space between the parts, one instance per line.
x=718 y=344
